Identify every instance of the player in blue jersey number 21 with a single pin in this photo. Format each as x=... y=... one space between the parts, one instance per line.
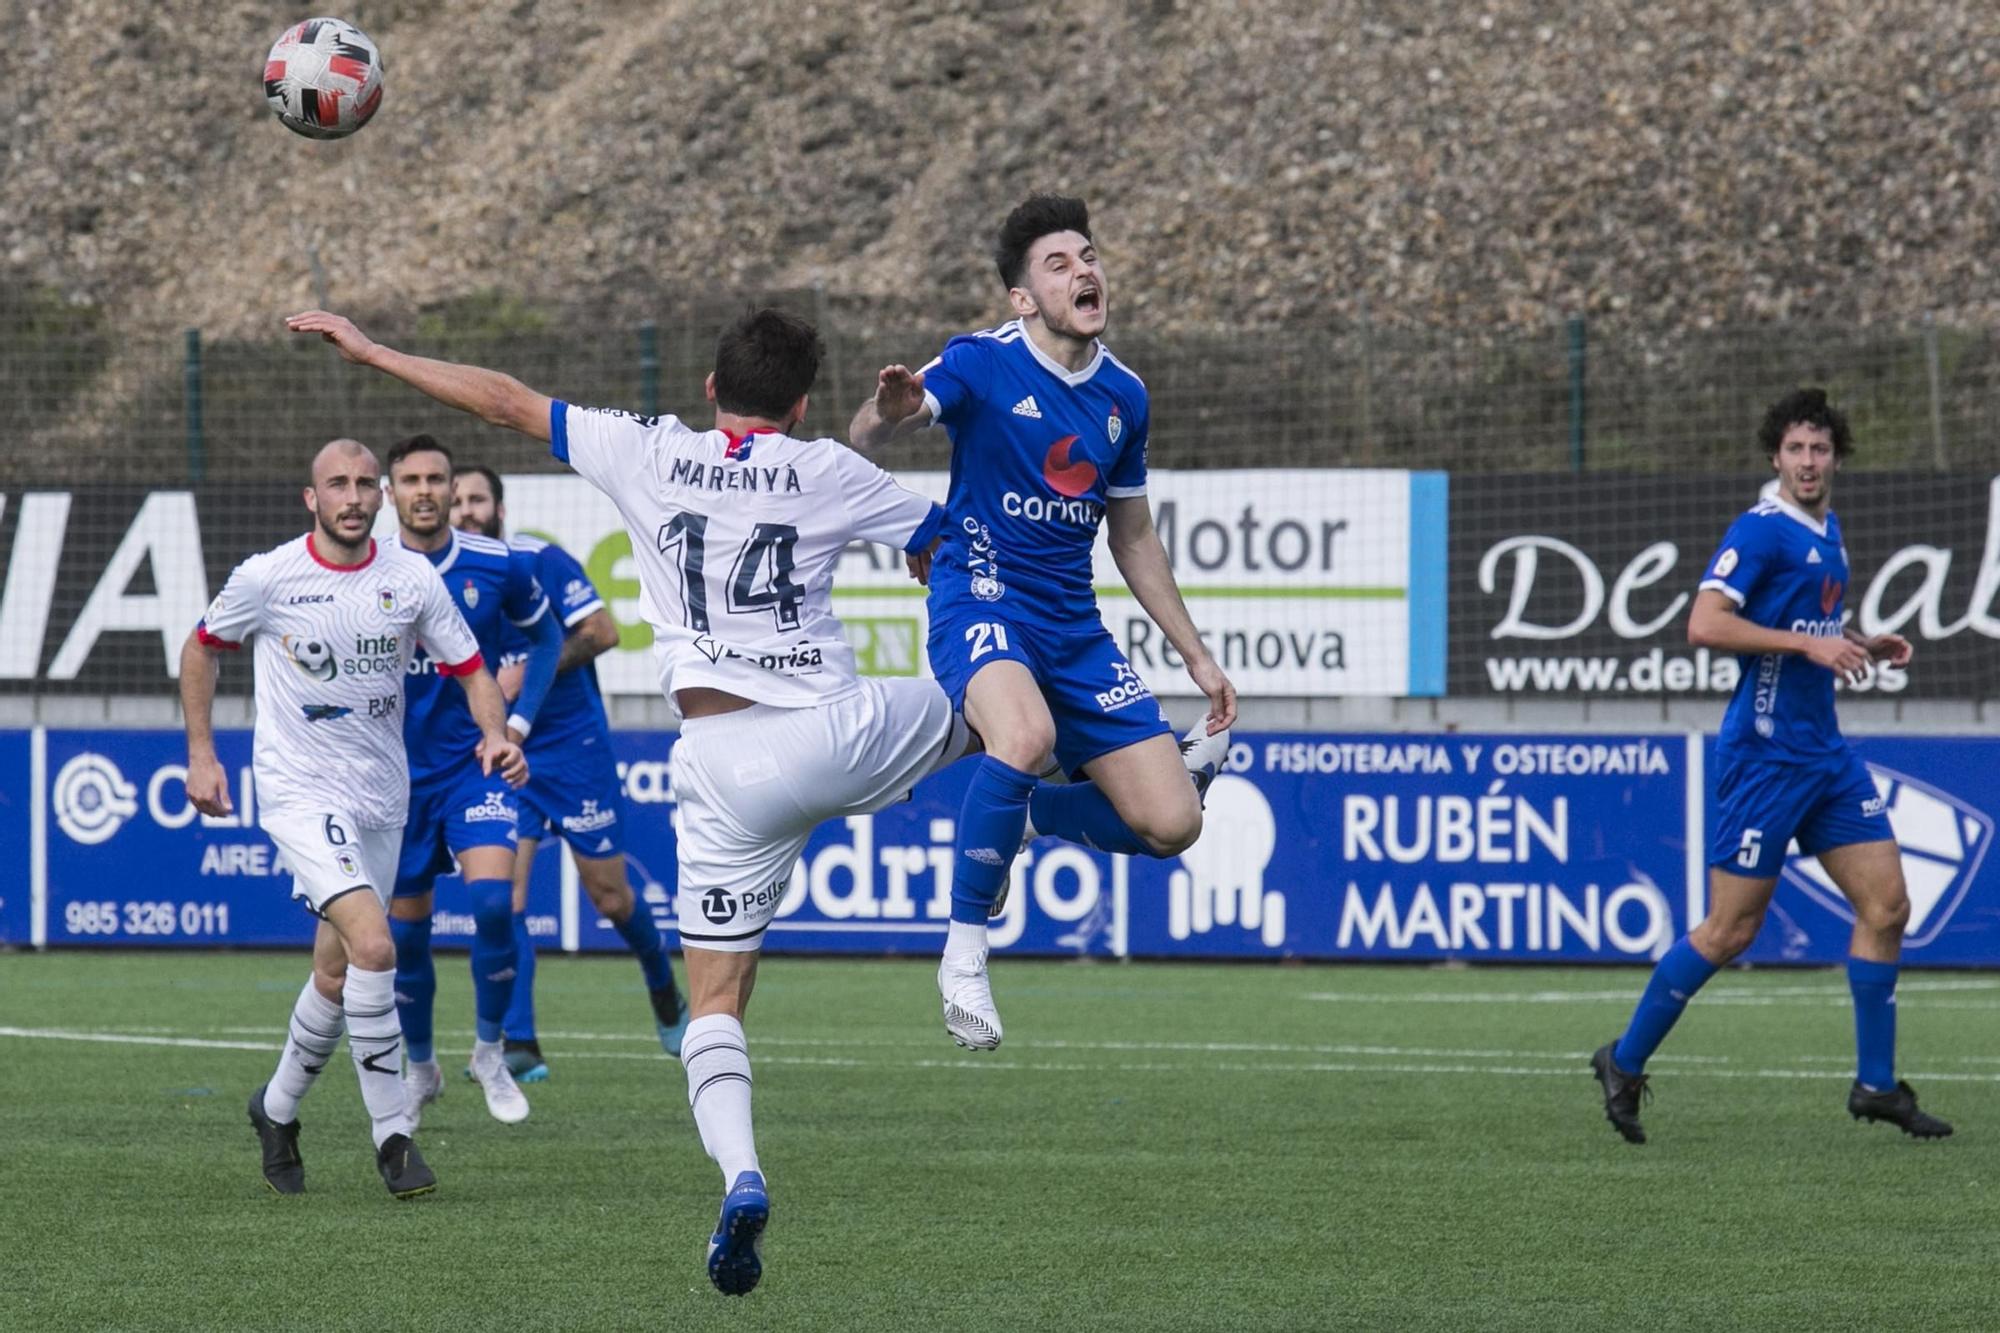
x=1048 y=433
x=1773 y=594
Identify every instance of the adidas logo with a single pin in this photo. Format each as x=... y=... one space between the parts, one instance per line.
x=1812 y=556
x=1026 y=408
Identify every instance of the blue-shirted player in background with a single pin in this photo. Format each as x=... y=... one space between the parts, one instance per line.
x=1773 y=594
x=573 y=781
x=456 y=812
x=1048 y=433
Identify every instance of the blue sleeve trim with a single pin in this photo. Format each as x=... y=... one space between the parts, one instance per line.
x=545 y=639
x=1430 y=513
x=559 y=429
x=927 y=530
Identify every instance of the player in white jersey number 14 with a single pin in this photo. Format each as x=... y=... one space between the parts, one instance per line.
x=736 y=532
x=335 y=619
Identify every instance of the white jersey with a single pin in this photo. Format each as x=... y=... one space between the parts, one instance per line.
x=333 y=646
x=736 y=542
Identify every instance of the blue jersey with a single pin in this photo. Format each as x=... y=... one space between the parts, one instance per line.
x=573 y=708
x=1036 y=451
x=1784 y=570
x=492 y=586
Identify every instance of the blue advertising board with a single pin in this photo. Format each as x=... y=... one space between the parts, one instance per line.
x=1511 y=848
x=17 y=807
x=1940 y=796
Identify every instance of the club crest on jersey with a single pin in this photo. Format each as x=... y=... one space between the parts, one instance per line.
x=386 y=599
x=1115 y=426
x=1829 y=594
x=471 y=594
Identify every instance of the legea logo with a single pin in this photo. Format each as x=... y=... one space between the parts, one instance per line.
x=92 y=799
x=1223 y=882
x=1943 y=841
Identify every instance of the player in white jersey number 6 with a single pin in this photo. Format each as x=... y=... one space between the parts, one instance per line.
x=736 y=532
x=336 y=619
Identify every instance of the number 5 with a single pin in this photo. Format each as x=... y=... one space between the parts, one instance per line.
x=1753 y=847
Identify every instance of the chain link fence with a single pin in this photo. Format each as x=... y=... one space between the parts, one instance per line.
x=91 y=403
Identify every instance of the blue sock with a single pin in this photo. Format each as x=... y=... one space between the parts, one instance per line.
x=416 y=984
x=1874 y=987
x=1081 y=813
x=493 y=959
x=521 y=1012
x=989 y=833
x=1680 y=974
x=643 y=938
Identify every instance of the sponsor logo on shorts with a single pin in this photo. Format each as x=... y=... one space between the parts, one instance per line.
x=493 y=807
x=590 y=819
x=721 y=907
x=718 y=906
x=1127 y=689
x=1873 y=806
x=986 y=856
x=92 y=799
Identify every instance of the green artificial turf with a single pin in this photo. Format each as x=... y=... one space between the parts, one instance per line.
x=1156 y=1146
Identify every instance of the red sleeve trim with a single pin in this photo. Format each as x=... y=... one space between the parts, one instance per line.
x=465 y=668
x=214 y=640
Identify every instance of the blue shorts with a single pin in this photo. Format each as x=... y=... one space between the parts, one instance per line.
x=1098 y=701
x=574 y=788
x=452 y=814
x=1761 y=806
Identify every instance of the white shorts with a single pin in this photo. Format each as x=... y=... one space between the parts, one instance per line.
x=751 y=785
x=330 y=855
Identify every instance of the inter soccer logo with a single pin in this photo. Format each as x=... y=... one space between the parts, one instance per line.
x=312 y=657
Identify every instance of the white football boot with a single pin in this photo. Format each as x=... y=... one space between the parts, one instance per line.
x=504 y=1097
x=969 y=1015
x=423 y=1083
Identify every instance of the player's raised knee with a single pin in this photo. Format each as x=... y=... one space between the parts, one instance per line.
x=1170 y=832
x=1025 y=746
x=1886 y=913
x=371 y=953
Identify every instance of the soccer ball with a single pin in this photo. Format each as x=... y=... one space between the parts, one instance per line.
x=323 y=78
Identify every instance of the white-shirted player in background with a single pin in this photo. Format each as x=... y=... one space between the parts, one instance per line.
x=336 y=619
x=736 y=532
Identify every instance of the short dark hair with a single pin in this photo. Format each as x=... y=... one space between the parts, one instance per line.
x=418 y=444
x=1807 y=407
x=1036 y=216
x=765 y=361
x=492 y=478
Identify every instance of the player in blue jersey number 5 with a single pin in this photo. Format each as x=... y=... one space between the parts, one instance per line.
x=1773 y=594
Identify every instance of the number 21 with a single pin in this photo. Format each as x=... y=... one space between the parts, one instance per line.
x=984 y=638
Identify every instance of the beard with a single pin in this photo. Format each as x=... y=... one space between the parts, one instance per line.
x=332 y=534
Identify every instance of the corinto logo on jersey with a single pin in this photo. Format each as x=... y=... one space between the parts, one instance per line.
x=1942 y=839
x=312 y=657
x=92 y=799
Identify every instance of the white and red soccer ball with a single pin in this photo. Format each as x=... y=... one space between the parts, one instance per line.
x=323 y=78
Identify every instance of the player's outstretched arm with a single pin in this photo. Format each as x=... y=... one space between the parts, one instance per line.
x=1713 y=623
x=490 y=395
x=489 y=710
x=207 y=784
x=1140 y=557
x=896 y=410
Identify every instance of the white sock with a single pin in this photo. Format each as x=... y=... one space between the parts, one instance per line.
x=317 y=1023
x=717 y=1057
x=964 y=939
x=375 y=1039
